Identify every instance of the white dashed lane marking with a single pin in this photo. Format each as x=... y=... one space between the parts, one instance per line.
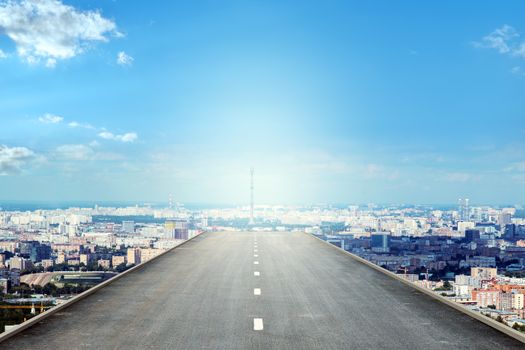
x=255 y=255
x=256 y=263
x=258 y=324
x=256 y=273
x=257 y=291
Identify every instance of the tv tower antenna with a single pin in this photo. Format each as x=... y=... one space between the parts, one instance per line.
x=170 y=201
x=251 y=196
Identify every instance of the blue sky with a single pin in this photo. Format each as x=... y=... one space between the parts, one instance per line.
x=330 y=101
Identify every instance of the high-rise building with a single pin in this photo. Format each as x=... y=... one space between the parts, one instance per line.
x=510 y=231
x=464 y=210
x=61 y=258
x=128 y=226
x=176 y=229
x=504 y=219
x=133 y=256
x=35 y=250
x=380 y=243
x=17 y=262
x=84 y=259
x=472 y=235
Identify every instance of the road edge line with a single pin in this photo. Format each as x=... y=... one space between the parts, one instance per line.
x=478 y=316
x=31 y=322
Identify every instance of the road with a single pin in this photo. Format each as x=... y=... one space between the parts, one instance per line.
x=251 y=290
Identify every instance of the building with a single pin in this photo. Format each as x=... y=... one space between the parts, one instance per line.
x=134 y=256
x=176 y=229
x=84 y=259
x=380 y=243
x=462 y=290
x=486 y=298
x=483 y=272
x=8 y=246
x=61 y=258
x=128 y=226
x=472 y=235
x=17 y=262
x=104 y=263
x=505 y=301
x=73 y=262
x=504 y=219
x=12 y=275
x=149 y=253
x=47 y=263
x=479 y=261
x=35 y=250
x=4 y=285
x=517 y=300
x=116 y=260
x=464 y=210
x=463 y=226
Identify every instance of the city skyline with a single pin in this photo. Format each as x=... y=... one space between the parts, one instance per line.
x=338 y=102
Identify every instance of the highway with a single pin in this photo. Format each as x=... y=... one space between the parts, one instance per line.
x=261 y=290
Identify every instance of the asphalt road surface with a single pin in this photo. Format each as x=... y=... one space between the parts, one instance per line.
x=252 y=290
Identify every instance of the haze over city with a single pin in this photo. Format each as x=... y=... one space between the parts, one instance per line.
x=336 y=102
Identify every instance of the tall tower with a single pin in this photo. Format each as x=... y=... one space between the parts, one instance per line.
x=251 y=197
x=170 y=201
x=464 y=209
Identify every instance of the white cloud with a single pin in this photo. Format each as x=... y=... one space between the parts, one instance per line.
x=520 y=51
x=106 y=135
x=12 y=159
x=506 y=40
x=75 y=124
x=124 y=59
x=517 y=70
x=49 y=30
x=127 y=137
x=516 y=167
x=2 y=54
x=79 y=152
x=51 y=63
x=50 y=119
x=75 y=152
x=499 y=39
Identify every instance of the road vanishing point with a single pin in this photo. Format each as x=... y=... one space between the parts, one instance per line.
x=258 y=290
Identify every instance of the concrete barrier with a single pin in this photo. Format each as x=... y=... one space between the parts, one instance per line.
x=24 y=325
x=478 y=316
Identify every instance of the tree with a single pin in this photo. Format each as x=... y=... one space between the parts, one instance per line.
x=447 y=285
x=121 y=268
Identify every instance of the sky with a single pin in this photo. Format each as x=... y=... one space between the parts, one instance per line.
x=329 y=101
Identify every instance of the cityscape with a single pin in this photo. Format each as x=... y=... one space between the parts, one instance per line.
x=262 y=174
x=472 y=255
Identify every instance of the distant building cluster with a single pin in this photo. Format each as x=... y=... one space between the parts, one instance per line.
x=472 y=255
x=85 y=240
